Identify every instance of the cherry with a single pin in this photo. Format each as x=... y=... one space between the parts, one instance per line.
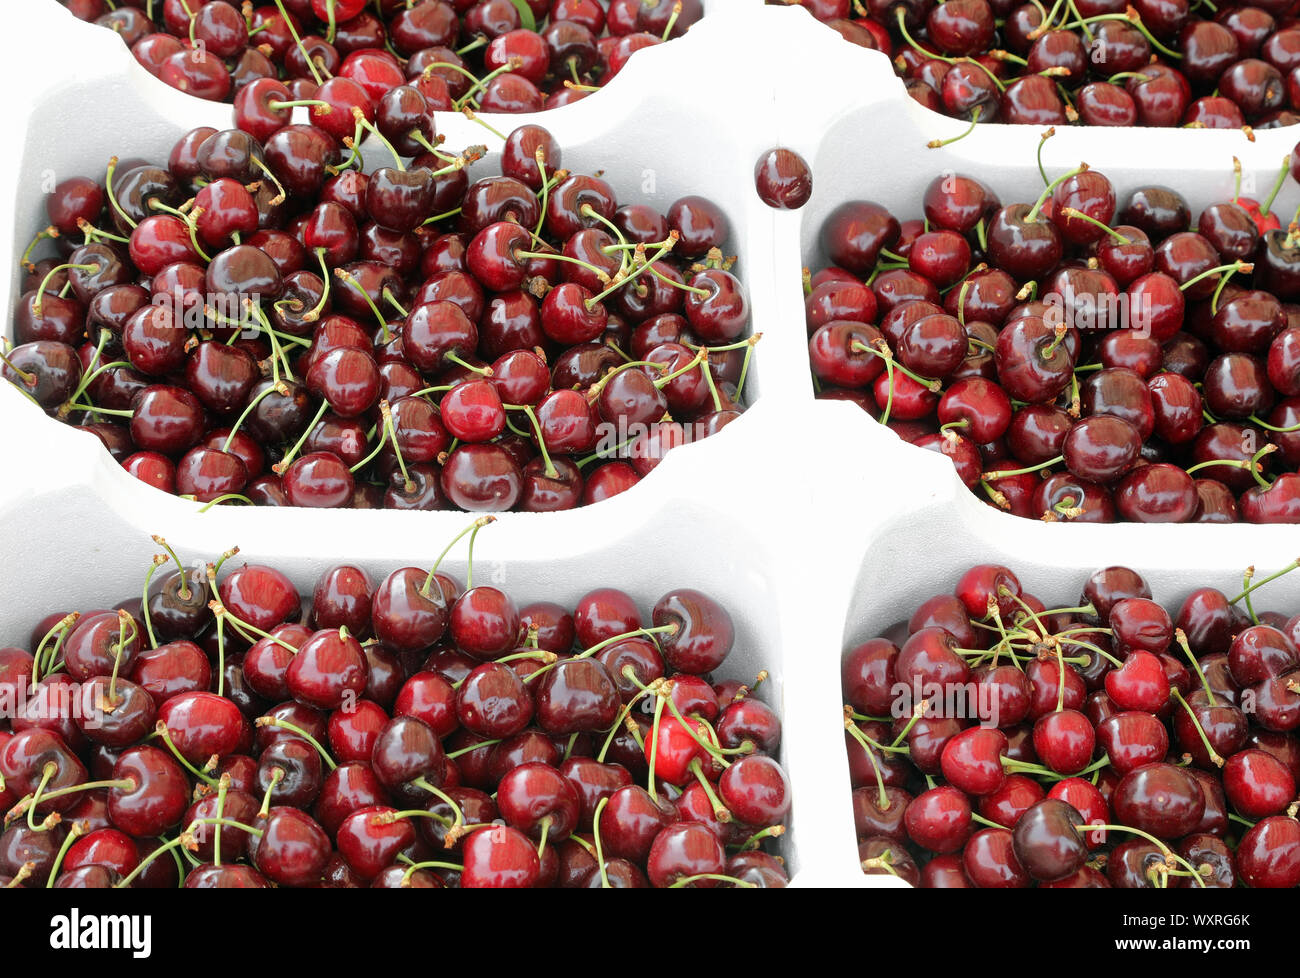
x=406 y=615
x=157 y=796
x=539 y=801
x=201 y=725
x=499 y=857
x=782 y=179
x=1268 y=854
x=577 y=695
x=1159 y=798
x=1132 y=739
x=939 y=820
x=292 y=850
x=369 y=839
x=1063 y=740
x=972 y=760
x=493 y=701
x=1258 y=784
x=328 y=671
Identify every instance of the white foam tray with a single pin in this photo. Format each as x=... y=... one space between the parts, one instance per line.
x=814 y=525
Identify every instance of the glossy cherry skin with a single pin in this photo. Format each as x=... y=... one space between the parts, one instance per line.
x=782 y=179
x=157 y=798
x=1132 y=739
x=328 y=670
x=1160 y=799
x=577 y=695
x=701 y=632
x=493 y=701
x=535 y=798
x=292 y=849
x=405 y=615
x=499 y=857
x=370 y=840
x=1063 y=740
x=1269 y=853
x=1258 y=784
x=939 y=820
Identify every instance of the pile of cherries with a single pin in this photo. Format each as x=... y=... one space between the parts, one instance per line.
x=1095 y=62
x=218 y=730
x=1078 y=359
x=260 y=320
x=485 y=55
x=1110 y=744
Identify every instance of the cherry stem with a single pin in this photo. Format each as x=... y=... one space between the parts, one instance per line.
x=49 y=276
x=1181 y=638
x=277 y=775
x=184 y=590
x=1236 y=266
x=158 y=561
x=280 y=191
x=223 y=784
x=279 y=467
x=654 y=744
x=29 y=379
x=469 y=556
x=221 y=654
x=881 y=862
x=466 y=750
x=1267 y=207
x=77 y=830
x=701 y=359
x=688 y=880
x=940 y=143
x=595 y=832
x=45 y=235
x=312 y=314
x=629 y=673
x=1215 y=758
x=125 y=621
x=902 y=29
x=288 y=22
x=382 y=428
x=112 y=198
x=429 y=864
x=513 y=64
x=881 y=349
x=392 y=301
x=458 y=824
x=1265 y=580
x=865 y=743
x=551 y=470
x=1075 y=214
x=428 y=581
x=641 y=265
x=771 y=832
x=275 y=388
x=274 y=721
x=1032 y=215
x=1135 y=21
x=61 y=629
x=160 y=728
x=456 y=358
x=1168 y=853
x=1024 y=471
x=144 y=863
x=278 y=355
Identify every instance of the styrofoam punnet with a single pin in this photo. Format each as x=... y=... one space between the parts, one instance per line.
x=87 y=523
